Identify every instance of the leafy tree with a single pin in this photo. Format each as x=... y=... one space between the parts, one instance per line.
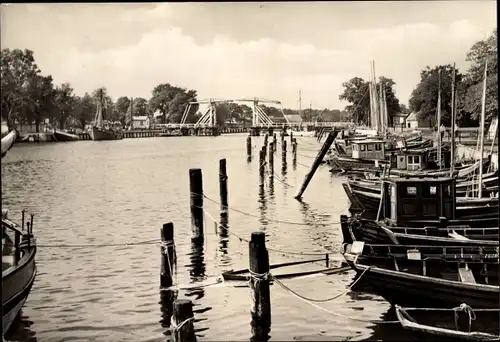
x=424 y=98
x=109 y=111
x=65 y=103
x=171 y=101
x=85 y=109
x=18 y=68
x=140 y=107
x=39 y=99
x=472 y=88
x=356 y=92
x=122 y=106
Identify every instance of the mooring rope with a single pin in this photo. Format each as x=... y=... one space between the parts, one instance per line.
x=120 y=244
x=468 y=310
x=175 y=328
x=242 y=239
x=321 y=300
x=259 y=217
x=335 y=313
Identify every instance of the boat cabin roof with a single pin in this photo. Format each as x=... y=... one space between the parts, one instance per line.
x=371 y=141
x=411 y=152
x=422 y=179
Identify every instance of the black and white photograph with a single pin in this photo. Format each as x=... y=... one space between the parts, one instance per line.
x=250 y=171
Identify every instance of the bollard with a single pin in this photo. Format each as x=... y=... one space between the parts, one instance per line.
x=259 y=284
x=181 y=327
x=167 y=255
x=249 y=147
x=196 y=189
x=271 y=159
x=223 y=187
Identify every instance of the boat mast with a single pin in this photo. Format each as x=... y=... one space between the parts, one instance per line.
x=439 y=120
x=99 y=116
x=481 y=131
x=453 y=123
x=375 y=100
x=382 y=112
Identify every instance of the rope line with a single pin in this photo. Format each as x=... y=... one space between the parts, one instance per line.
x=257 y=216
x=280 y=283
x=174 y=327
x=121 y=244
x=242 y=239
x=468 y=310
x=335 y=313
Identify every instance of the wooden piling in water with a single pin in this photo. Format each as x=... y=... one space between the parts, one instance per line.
x=196 y=189
x=17 y=251
x=291 y=137
x=261 y=164
x=259 y=284
x=271 y=159
x=167 y=255
x=283 y=153
x=223 y=187
x=294 y=152
x=249 y=147
x=182 y=328
x=317 y=161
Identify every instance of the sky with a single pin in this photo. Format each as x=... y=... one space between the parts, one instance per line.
x=235 y=50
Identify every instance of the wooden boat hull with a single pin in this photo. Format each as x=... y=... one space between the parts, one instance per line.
x=16 y=286
x=63 y=136
x=376 y=232
x=443 y=322
x=98 y=134
x=8 y=141
x=347 y=163
x=481 y=212
x=406 y=289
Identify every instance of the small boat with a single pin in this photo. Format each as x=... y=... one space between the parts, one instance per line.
x=417 y=275
x=420 y=202
x=477 y=324
x=102 y=130
x=18 y=268
x=8 y=141
x=64 y=136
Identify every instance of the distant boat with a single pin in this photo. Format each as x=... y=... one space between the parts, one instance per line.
x=64 y=136
x=102 y=130
x=8 y=141
x=18 y=269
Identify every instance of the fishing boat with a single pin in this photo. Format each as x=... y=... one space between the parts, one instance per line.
x=420 y=202
x=459 y=323
x=18 y=267
x=64 y=136
x=427 y=276
x=104 y=130
x=8 y=141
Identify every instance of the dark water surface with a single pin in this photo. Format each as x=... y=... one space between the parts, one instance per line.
x=114 y=192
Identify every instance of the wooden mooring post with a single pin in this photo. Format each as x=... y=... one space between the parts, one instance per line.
x=259 y=284
x=317 y=161
x=249 y=147
x=182 y=328
x=261 y=164
x=196 y=189
x=283 y=153
x=167 y=255
x=271 y=159
x=223 y=187
x=291 y=137
x=294 y=152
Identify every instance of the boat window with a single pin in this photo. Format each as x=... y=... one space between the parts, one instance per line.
x=432 y=190
x=410 y=159
x=411 y=190
x=429 y=191
x=416 y=159
x=362 y=147
x=355 y=147
x=377 y=147
x=369 y=147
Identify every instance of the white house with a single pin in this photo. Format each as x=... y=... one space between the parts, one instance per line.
x=413 y=121
x=140 y=122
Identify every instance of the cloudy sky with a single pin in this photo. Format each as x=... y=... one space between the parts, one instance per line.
x=231 y=50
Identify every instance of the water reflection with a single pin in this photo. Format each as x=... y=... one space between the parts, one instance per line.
x=167 y=298
x=224 y=257
x=21 y=330
x=321 y=237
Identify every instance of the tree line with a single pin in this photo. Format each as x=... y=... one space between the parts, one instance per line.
x=28 y=96
x=424 y=98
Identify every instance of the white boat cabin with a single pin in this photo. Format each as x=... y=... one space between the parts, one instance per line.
x=418 y=198
x=411 y=160
x=368 y=149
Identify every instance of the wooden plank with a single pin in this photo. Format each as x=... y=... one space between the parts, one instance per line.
x=466 y=275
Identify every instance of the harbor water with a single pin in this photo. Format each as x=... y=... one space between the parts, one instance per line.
x=103 y=195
